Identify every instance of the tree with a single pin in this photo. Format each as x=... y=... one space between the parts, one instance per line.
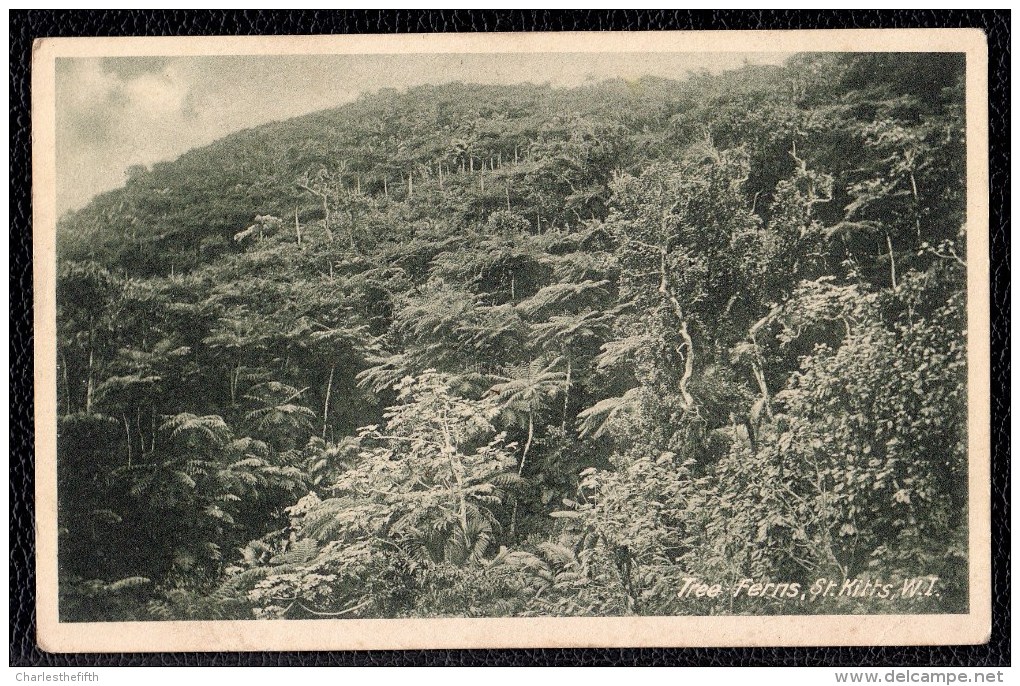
x=419 y=491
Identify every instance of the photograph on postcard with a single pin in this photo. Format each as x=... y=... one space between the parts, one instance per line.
x=374 y=341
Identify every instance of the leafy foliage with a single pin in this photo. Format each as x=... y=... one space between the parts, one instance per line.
x=492 y=351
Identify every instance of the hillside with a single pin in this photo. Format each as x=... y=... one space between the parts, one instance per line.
x=517 y=350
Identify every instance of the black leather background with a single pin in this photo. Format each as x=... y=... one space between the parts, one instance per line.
x=26 y=26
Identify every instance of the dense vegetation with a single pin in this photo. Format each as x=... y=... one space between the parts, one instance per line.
x=470 y=350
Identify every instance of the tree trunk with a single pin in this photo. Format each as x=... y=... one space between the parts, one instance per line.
x=90 y=382
x=234 y=373
x=450 y=451
x=566 y=394
x=127 y=434
x=325 y=214
x=325 y=405
x=527 y=445
x=67 y=384
x=892 y=261
x=297 y=226
x=141 y=434
x=758 y=362
x=685 y=336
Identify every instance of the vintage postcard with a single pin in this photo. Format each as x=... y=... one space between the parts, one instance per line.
x=512 y=340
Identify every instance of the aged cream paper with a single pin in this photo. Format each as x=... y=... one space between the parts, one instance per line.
x=632 y=631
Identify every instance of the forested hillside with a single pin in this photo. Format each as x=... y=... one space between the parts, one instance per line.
x=516 y=350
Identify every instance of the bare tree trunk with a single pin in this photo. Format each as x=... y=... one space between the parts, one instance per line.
x=451 y=451
x=127 y=434
x=917 y=205
x=685 y=337
x=520 y=470
x=566 y=394
x=758 y=362
x=892 y=260
x=508 y=195
x=325 y=405
x=234 y=374
x=90 y=382
x=141 y=434
x=297 y=226
x=67 y=383
x=527 y=444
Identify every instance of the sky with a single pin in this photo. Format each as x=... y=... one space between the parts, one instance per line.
x=116 y=112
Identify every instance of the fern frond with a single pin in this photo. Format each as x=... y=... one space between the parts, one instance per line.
x=595 y=419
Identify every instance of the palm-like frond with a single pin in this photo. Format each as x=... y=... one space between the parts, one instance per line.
x=528 y=386
x=616 y=352
x=210 y=427
x=560 y=294
x=596 y=419
x=386 y=371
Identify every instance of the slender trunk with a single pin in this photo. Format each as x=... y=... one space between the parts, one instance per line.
x=759 y=376
x=350 y=231
x=527 y=444
x=508 y=195
x=471 y=159
x=67 y=384
x=520 y=471
x=892 y=261
x=917 y=205
x=385 y=187
x=297 y=226
x=450 y=452
x=90 y=382
x=481 y=181
x=688 y=364
x=234 y=373
x=758 y=362
x=141 y=434
x=325 y=405
x=127 y=434
x=325 y=215
x=685 y=336
x=566 y=394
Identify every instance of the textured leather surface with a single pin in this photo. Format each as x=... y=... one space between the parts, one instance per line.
x=26 y=26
